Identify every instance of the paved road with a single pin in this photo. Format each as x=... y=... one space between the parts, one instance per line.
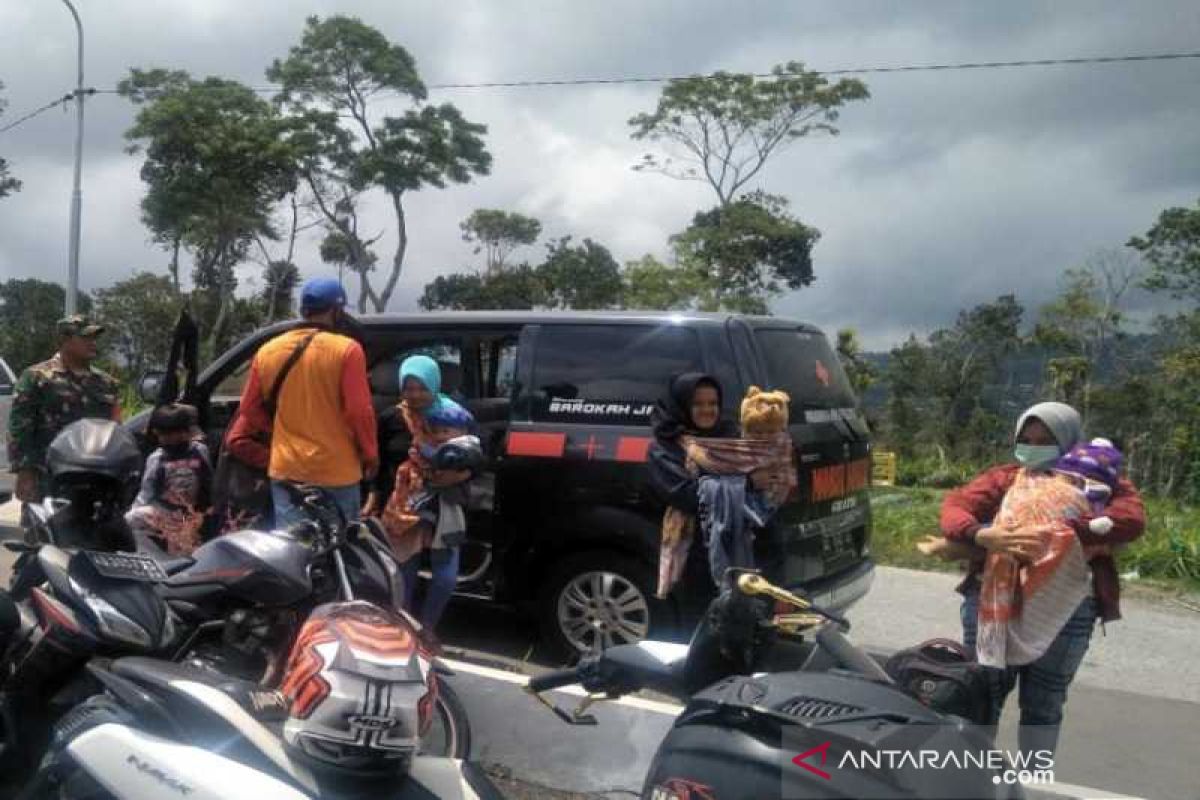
x=1133 y=722
x=1132 y=728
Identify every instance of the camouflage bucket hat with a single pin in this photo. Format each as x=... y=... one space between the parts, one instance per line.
x=78 y=325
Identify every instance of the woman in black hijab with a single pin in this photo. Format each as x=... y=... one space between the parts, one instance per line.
x=692 y=407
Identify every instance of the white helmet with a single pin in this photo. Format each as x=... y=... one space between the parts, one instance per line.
x=360 y=688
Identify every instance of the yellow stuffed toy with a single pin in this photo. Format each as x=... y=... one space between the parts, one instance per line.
x=764 y=413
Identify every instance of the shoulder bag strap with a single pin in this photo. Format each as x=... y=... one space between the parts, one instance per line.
x=272 y=399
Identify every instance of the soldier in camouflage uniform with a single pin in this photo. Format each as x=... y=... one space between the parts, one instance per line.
x=51 y=395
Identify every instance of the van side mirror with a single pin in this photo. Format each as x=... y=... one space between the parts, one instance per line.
x=149 y=385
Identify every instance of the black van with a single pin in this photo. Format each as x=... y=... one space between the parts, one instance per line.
x=564 y=522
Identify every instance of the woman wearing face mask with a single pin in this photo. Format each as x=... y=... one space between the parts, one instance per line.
x=984 y=514
x=692 y=407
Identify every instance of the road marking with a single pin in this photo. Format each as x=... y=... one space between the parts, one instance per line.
x=670 y=709
x=1058 y=789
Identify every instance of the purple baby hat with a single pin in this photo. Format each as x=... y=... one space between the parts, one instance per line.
x=1097 y=462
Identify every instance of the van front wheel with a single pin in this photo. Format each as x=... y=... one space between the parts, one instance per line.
x=598 y=600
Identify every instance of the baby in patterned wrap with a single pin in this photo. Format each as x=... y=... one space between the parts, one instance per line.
x=1095 y=468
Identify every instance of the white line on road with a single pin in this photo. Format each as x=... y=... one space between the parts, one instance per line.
x=1059 y=789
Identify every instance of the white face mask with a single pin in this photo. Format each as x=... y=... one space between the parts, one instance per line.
x=1036 y=456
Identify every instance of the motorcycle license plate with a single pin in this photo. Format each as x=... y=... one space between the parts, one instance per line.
x=127 y=566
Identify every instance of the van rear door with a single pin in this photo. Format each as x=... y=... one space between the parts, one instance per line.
x=825 y=529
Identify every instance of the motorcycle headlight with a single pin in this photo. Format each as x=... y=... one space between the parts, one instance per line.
x=111 y=621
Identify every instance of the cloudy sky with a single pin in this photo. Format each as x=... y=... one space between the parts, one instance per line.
x=944 y=190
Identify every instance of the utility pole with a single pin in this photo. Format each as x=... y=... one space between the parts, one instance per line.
x=77 y=193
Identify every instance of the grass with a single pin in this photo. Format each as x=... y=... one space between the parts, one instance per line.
x=1167 y=555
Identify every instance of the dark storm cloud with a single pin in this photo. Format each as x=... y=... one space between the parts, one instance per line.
x=945 y=190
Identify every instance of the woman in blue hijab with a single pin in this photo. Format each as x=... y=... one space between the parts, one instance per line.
x=426 y=511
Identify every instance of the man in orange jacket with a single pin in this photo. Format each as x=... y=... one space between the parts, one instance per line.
x=323 y=431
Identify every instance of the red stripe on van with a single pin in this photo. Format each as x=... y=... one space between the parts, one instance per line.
x=634 y=449
x=539 y=445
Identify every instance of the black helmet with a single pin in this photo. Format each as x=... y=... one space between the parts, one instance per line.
x=460 y=453
x=96 y=447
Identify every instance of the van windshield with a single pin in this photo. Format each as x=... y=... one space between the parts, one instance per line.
x=801 y=363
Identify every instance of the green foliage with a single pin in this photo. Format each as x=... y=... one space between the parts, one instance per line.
x=331 y=83
x=515 y=288
x=1172 y=248
x=899 y=519
x=217 y=160
x=652 y=285
x=936 y=392
x=496 y=233
x=724 y=127
x=860 y=371
x=584 y=276
x=139 y=314
x=8 y=183
x=29 y=310
x=746 y=252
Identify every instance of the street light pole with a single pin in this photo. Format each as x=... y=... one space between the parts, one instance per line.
x=77 y=193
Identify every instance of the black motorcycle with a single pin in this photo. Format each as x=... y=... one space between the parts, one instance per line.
x=233 y=607
x=836 y=727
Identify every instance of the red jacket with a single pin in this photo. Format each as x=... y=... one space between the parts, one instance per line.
x=969 y=508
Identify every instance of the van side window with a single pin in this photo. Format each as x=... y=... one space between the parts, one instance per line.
x=385 y=373
x=608 y=373
x=498 y=364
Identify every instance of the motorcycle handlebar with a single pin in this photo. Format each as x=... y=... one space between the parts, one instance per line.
x=553 y=680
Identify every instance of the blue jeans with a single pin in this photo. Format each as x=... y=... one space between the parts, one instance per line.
x=444 y=566
x=1043 y=683
x=287 y=514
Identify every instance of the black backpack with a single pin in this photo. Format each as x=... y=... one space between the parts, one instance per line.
x=944 y=675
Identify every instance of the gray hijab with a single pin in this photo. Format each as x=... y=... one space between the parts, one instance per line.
x=1062 y=420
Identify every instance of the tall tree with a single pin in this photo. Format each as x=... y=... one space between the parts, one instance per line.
x=29 y=310
x=333 y=81
x=964 y=359
x=1171 y=420
x=858 y=369
x=8 y=184
x=652 y=285
x=723 y=128
x=909 y=403
x=746 y=252
x=583 y=276
x=139 y=315
x=497 y=233
x=1172 y=249
x=218 y=159
x=1081 y=325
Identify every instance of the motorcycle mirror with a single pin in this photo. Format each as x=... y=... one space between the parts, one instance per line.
x=149 y=385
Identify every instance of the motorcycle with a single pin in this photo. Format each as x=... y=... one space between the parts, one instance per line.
x=236 y=606
x=749 y=731
x=355 y=697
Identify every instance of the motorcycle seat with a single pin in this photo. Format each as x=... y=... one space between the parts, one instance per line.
x=650 y=664
x=266 y=707
x=229 y=716
x=172 y=565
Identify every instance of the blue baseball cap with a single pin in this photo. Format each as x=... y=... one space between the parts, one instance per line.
x=322 y=294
